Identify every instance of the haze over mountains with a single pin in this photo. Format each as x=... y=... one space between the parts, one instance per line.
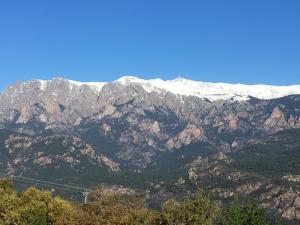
x=152 y=135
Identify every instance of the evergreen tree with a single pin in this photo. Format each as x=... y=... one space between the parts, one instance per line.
x=244 y=213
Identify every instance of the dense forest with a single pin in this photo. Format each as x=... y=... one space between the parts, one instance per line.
x=38 y=207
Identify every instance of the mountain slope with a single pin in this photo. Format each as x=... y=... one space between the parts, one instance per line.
x=164 y=137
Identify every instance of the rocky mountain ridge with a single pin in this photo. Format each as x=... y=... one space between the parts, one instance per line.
x=185 y=87
x=147 y=134
x=143 y=123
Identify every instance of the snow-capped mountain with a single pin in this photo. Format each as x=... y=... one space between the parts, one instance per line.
x=145 y=116
x=204 y=90
x=185 y=131
x=149 y=115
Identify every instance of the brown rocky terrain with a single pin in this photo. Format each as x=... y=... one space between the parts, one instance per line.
x=152 y=141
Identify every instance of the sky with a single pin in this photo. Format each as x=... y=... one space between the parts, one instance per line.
x=232 y=41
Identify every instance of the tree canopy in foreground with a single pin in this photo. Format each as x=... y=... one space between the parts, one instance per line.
x=38 y=207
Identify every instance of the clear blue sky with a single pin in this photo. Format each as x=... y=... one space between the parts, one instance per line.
x=255 y=41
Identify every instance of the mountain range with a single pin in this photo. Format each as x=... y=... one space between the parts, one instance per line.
x=157 y=138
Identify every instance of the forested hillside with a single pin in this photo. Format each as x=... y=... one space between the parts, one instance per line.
x=38 y=207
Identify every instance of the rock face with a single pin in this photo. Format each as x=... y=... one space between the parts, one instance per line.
x=292 y=178
x=23 y=154
x=276 y=119
x=283 y=199
x=187 y=136
x=287 y=203
x=143 y=119
x=143 y=122
x=100 y=129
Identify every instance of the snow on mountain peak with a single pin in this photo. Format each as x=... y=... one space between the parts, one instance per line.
x=96 y=86
x=127 y=80
x=212 y=91
x=207 y=90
